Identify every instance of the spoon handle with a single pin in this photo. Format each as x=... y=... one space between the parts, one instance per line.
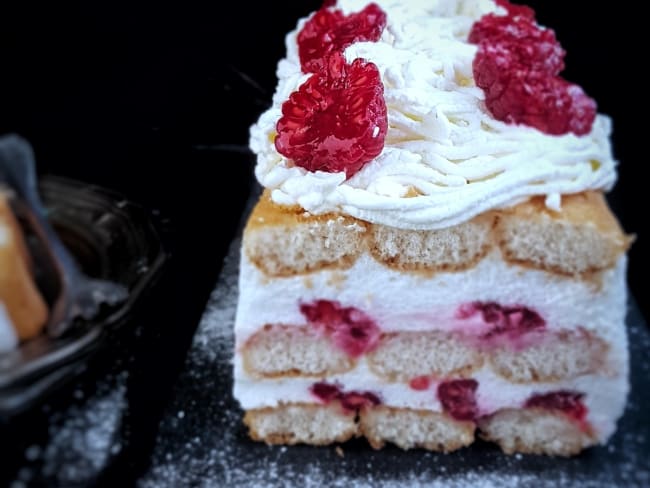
x=80 y=296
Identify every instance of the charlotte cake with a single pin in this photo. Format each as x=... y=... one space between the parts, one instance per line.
x=433 y=257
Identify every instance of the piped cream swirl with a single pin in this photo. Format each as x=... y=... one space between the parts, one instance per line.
x=446 y=159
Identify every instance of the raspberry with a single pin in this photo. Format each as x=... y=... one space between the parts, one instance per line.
x=329 y=31
x=420 y=383
x=351 y=400
x=349 y=328
x=337 y=120
x=325 y=391
x=511 y=322
x=519 y=44
x=518 y=65
x=550 y=104
x=567 y=402
x=458 y=398
x=354 y=400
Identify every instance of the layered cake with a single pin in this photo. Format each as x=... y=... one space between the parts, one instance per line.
x=433 y=257
x=23 y=312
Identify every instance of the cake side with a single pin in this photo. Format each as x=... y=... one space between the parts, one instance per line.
x=398 y=334
x=433 y=257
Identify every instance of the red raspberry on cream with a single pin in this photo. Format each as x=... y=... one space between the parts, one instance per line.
x=517 y=65
x=349 y=328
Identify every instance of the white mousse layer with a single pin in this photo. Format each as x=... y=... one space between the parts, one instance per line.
x=399 y=301
x=8 y=339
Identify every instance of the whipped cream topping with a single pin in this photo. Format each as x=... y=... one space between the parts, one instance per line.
x=445 y=159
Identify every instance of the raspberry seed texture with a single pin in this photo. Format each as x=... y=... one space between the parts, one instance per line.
x=518 y=65
x=337 y=120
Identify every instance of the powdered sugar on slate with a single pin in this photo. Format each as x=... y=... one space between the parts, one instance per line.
x=82 y=439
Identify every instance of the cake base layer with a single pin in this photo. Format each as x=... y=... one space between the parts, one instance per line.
x=301 y=424
x=534 y=431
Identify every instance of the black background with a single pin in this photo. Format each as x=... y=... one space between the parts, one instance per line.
x=155 y=100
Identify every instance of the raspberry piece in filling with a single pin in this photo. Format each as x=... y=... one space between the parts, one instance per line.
x=458 y=398
x=507 y=325
x=351 y=400
x=348 y=328
x=420 y=383
x=354 y=400
x=325 y=392
x=567 y=402
x=330 y=31
x=337 y=120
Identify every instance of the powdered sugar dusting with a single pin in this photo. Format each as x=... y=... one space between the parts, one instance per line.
x=82 y=439
x=203 y=442
x=214 y=339
x=273 y=476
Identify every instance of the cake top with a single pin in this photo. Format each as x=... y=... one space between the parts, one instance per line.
x=422 y=116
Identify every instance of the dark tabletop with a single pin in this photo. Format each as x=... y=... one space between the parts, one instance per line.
x=155 y=102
